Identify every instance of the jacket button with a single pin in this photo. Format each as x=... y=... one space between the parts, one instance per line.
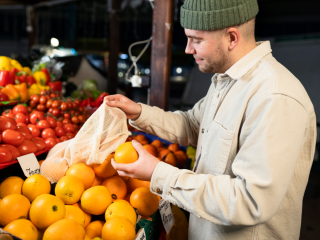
x=202 y=130
x=159 y=191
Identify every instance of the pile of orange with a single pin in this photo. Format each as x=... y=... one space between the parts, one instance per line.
x=29 y=211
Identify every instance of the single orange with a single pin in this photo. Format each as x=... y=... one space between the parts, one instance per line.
x=181 y=158
x=46 y=210
x=164 y=153
x=22 y=228
x=144 y=201
x=116 y=186
x=126 y=153
x=75 y=213
x=157 y=143
x=87 y=216
x=11 y=185
x=105 y=169
x=13 y=207
x=121 y=208
x=95 y=200
x=64 y=229
x=140 y=138
x=69 y=189
x=118 y=228
x=173 y=147
x=86 y=237
x=151 y=149
x=83 y=172
x=35 y=185
x=144 y=142
x=94 y=229
x=171 y=159
x=135 y=183
x=97 y=181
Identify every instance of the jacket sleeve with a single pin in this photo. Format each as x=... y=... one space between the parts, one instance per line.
x=178 y=127
x=271 y=139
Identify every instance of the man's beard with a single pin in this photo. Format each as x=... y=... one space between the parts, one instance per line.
x=216 y=62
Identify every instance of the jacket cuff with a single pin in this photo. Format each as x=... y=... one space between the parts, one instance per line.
x=142 y=121
x=161 y=178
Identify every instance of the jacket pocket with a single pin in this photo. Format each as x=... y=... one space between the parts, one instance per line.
x=217 y=147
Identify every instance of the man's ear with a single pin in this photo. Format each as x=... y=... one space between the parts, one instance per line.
x=233 y=37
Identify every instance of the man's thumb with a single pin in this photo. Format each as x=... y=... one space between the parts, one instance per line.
x=139 y=148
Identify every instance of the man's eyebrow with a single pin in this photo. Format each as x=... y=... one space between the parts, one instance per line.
x=194 y=37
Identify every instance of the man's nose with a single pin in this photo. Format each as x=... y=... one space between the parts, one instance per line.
x=189 y=49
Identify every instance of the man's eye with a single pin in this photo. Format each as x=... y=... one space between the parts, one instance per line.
x=196 y=42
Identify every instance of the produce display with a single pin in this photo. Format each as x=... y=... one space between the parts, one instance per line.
x=84 y=194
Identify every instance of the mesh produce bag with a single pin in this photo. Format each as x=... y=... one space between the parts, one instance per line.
x=101 y=134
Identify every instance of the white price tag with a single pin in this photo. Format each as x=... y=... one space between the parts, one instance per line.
x=141 y=235
x=166 y=215
x=29 y=164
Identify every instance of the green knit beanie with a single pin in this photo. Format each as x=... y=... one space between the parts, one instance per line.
x=216 y=14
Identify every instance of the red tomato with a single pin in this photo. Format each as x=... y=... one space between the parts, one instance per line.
x=49 y=103
x=27 y=147
x=60 y=131
x=20 y=117
x=66 y=120
x=20 y=109
x=51 y=142
x=43 y=92
x=75 y=119
x=36 y=116
x=81 y=109
x=29 y=109
x=56 y=104
x=50 y=110
x=6 y=111
x=33 y=104
x=9 y=115
x=64 y=106
x=35 y=98
x=72 y=112
x=5 y=155
x=82 y=118
x=70 y=135
x=69 y=128
x=42 y=124
x=13 y=149
x=7 y=123
x=76 y=127
x=25 y=131
x=41 y=107
x=74 y=105
x=27 y=119
x=69 y=105
x=21 y=124
x=53 y=95
x=64 y=138
x=12 y=137
x=67 y=115
x=58 y=140
x=48 y=133
x=41 y=144
x=52 y=122
x=59 y=124
x=55 y=112
x=35 y=131
x=43 y=100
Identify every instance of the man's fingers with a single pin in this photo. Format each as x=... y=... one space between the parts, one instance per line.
x=139 y=148
x=120 y=166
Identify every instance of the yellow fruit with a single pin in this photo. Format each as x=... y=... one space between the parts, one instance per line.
x=13 y=207
x=75 y=214
x=126 y=153
x=23 y=229
x=64 y=229
x=86 y=237
x=69 y=189
x=105 y=169
x=11 y=185
x=46 y=210
x=83 y=172
x=144 y=201
x=87 y=216
x=121 y=208
x=34 y=186
x=94 y=229
x=95 y=200
x=116 y=186
x=118 y=228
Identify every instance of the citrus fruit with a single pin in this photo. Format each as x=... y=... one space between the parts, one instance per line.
x=135 y=183
x=34 y=186
x=13 y=207
x=116 y=186
x=118 y=228
x=87 y=216
x=64 y=229
x=163 y=153
x=75 y=213
x=83 y=172
x=46 y=210
x=121 y=208
x=157 y=143
x=171 y=159
x=23 y=229
x=173 y=147
x=11 y=185
x=151 y=149
x=94 y=229
x=86 y=237
x=105 y=169
x=126 y=153
x=69 y=189
x=95 y=200
x=144 y=201
x=97 y=181
x=140 y=138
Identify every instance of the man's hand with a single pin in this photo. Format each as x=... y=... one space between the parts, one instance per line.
x=129 y=107
x=142 y=168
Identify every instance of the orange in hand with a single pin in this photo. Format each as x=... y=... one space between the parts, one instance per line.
x=126 y=153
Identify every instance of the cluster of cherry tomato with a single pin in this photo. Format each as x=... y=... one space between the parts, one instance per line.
x=48 y=120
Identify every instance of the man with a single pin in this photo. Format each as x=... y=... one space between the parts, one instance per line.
x=255 y=132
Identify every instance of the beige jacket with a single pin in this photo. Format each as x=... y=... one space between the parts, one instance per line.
x=255 y=133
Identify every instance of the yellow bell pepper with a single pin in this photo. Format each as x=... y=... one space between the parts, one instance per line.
x=23 y=91
x=15 y=64
x=11 y=92
x=34 y=89
x=27 y=70
x=43 y=87
x=5 y=63
x=40 y=77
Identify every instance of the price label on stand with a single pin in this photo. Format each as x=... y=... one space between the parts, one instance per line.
x=166 y=215
x=141 y=235
x=29 y=164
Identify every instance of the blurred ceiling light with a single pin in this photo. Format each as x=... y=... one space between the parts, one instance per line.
x=120 y=74
x=147 y=71
x=54 y=42
x=179 y=70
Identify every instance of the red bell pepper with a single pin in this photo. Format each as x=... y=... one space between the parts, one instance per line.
x=99 y=100
x=90 y=102
x=14 y=71
x=47 y=74
x=56 y=86
x=30 y=80
x=83 y=103
x=6 y=77
x=21 y=78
